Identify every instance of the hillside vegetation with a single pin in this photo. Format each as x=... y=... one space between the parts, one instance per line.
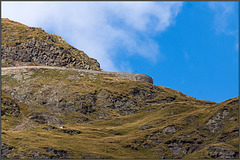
x=82 y=115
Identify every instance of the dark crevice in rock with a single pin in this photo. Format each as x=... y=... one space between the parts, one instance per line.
x=62 y=154
x=70 y=131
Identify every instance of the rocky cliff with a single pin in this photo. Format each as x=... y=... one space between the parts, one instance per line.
x=23 y=45
x=68 y=113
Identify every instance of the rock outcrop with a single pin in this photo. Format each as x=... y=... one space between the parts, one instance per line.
x=23 y=45
x=222 y=152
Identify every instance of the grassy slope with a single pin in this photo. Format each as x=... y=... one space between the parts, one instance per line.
x=108 y=138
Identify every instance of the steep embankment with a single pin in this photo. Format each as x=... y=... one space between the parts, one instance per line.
x=23 y=45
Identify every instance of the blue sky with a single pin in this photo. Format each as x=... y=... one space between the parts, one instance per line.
x=192 y=47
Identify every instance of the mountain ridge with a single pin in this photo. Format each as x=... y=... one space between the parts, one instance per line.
x=122 y=75
x=73 y=113
x=23 y=45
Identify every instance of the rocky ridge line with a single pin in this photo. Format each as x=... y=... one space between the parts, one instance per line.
x=23 y=45
x=122 y=75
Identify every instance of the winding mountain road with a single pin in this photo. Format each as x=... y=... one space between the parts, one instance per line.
x=123 y=75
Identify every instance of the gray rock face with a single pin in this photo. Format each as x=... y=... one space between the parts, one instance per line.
x=124 y=105
x=142 y=94
x=147 y=146
x=23 y=45
x=222 y=152
x=44 y=118
x=145 y=127
x=228 y=135
x=215 y=122
x=5 y=150
x=176 y=148
x=169 y=130
x=85 y=103
x=34 y=155
x=89 y=156
x=40 y=53
x=102 y=116
x=59 y=154
x=179 y=146
x=175 y=145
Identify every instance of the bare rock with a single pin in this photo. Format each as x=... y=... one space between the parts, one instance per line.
x=45 y=118
x=123 y=104
x=145 y=127
x=215 y=122
x=147 y=146
x=222 y=152
x=6 y=150
x=89 y=156
x=41 y=48
x=59 y=154
x=169 y=130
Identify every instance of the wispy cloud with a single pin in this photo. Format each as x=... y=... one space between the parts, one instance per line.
x=224 y=20
x=101 y=28
x=223 y=14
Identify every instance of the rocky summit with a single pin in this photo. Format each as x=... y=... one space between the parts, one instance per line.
x=56 y=103
x=23 y=45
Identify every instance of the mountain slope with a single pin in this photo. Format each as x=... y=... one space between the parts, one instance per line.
x=69 y=113
x=52 y=113
x=23 y=45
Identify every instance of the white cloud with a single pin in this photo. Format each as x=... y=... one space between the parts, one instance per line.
x=225 y=15
x=100 y=28
x=223 y=12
